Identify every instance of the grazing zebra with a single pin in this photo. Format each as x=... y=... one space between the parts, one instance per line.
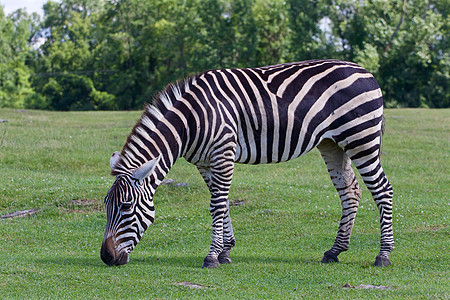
x=252 y=116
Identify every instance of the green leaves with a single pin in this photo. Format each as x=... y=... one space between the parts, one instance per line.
x=118 y=54
x=15 y=33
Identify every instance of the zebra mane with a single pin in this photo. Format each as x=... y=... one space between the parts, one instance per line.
x=166 y=98
x=151 y=116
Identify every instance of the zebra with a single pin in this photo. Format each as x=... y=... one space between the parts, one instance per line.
x=260 y=115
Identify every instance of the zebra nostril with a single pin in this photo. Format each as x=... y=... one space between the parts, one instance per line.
x=107 y=256
x=110 y=256
x=107 y=252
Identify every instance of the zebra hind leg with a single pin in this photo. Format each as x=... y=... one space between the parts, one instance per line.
x=344 y=180
x=367 y=160
x=382 y=193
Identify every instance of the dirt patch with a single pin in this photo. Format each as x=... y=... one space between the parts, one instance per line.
x=171 y=182
x=20 y=214
x=368 y=286
x=84 y=205
x=437 y=228
x=237 y=202
x=191 y=285
x=83 y=202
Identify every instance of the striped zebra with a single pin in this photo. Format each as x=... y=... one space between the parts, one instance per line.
x=252 y=116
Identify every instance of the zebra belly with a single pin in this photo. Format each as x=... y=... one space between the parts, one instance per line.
x=264 y=150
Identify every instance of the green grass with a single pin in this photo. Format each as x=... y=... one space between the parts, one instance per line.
x=289 y=218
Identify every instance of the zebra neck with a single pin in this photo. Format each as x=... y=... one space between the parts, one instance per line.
x=144 y=145
x=160 y=133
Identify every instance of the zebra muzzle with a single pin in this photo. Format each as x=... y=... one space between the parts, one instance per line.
x=109 y=254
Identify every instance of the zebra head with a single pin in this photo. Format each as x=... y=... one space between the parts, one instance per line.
x=129 y=211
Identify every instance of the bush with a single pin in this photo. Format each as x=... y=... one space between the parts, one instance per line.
x=76 y=92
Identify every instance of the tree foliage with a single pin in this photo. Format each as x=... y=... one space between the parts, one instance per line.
x=15 y=32
x=117 y=54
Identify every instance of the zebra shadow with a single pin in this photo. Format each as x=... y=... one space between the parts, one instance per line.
x=180 y=260
x=192 y=261
x=71 y=260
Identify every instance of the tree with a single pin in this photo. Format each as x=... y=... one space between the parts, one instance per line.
x=65 y=65
x=404 y=43
x=15 y=36
x=118 y=54
x=415 y=64
x=272 y=31
x=306 y=40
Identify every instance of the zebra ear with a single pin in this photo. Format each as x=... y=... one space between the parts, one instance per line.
x=146 y=169
x=114 y=159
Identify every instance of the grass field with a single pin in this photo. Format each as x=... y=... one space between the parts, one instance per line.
x=287 y=217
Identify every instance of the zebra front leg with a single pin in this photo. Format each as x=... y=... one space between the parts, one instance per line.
x=344 y=180
x=218 y=178
x=228 y=236
x=218 y=253
x=212 y=259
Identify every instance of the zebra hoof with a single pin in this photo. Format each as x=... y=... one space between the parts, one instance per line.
x=210 y=262
x=329 y=258
x=224 y=257
x=382 y=261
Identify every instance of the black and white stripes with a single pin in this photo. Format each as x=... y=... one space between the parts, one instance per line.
x=260 y=115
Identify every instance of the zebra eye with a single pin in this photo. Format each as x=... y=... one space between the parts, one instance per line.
x=126 y=205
